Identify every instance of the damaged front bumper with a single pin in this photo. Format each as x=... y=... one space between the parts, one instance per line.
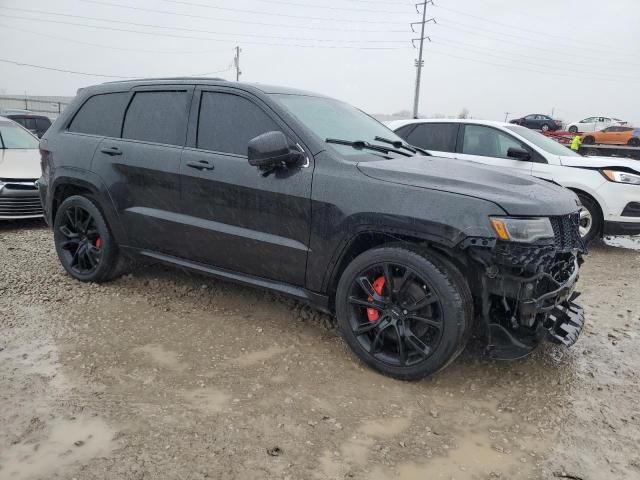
x=528 y=295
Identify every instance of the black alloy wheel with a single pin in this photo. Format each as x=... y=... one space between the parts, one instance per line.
x=404 y=312
x=395 y=315
x=82 y=244
x=83 y=241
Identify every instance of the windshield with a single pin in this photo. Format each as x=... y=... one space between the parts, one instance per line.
x=13 y=136
x=545 y=143
x=329 y=118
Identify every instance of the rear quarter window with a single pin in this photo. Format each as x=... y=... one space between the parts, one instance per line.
x=101 y=115
x=158 y=117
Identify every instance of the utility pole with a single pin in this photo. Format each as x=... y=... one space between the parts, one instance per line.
x=419 y=63
x=236 y=62
x=506 y=115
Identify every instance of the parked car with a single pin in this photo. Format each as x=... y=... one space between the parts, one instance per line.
x=594 y=124
x=538 y=121
x=310 y=197
x=19 y=170
x=36 y=124
x=614 y=136
x=608 y=187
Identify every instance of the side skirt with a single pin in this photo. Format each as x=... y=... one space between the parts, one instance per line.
x=316 y=300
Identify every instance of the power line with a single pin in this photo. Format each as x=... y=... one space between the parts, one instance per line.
x=75 y=72
x=492 y=52
x=298 y=17
x=194 y=37
x=330 y=7
x=244 y=22
x=518 y=68
x=473 y=30
x=111 y=47
x=196 y=30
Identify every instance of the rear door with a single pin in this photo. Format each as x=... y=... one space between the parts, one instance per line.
x=141 y=168
x=236 y=217
x=438 y=138
x=489 y=145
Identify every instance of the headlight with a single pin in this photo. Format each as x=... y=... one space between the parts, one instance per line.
x=621 y=177
x=525 y=230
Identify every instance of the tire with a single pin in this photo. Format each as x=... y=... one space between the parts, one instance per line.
x=545 y=127
x=595 y=217
x=432 y=335
x=84 y=244
x=573 y=129
x=634 y=142
x=589 y=140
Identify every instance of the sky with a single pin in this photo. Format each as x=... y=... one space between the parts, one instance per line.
x=572 y=58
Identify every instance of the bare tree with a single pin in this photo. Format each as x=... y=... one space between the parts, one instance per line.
x=464 y=113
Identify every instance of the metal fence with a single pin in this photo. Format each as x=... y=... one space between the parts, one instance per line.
x=48 y=106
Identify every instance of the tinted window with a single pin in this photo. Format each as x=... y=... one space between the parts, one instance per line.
x=159 y=117
x=440 y=137
x=101 y=115
x=42 y=123
x=227 y=123
x=404 y=131
x=487 y=141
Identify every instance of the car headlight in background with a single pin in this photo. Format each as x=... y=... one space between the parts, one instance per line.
x=526 y=230
x=621 y=177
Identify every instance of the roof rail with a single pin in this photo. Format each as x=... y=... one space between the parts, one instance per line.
x=167 y=78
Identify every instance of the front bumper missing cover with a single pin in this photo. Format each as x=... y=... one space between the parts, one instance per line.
x=567 y=321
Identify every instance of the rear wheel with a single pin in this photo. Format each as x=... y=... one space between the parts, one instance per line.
x=404 y=313
x=573 y=129
x=545 y=127
x=84 y=244
x=590 y=219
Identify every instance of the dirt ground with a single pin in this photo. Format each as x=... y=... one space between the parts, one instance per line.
x=168 y=375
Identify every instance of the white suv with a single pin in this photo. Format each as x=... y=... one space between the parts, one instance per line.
x=608 y=187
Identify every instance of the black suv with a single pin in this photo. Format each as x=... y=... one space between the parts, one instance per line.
x=312 y=198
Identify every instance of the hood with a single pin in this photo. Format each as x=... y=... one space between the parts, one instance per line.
x=600 y=162
x=515 y=194
x=18 y=163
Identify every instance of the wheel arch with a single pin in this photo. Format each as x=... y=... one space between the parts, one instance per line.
x=365 y=240
x=579 y=191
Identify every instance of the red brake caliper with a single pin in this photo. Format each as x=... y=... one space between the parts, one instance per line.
x=378 y=285
x=98 y=243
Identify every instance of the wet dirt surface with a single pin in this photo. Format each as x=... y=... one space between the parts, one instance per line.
x=164 y=374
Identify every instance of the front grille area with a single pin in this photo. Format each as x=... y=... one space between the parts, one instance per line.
x=20 y=205
x=566 y=232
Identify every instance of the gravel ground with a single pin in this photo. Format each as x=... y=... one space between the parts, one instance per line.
x=164 y=374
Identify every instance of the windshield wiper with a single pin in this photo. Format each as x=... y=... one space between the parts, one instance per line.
x=360 y=144
x=399 y=144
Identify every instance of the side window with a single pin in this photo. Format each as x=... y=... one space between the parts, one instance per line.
x=101 y=115
x=404 y=131
x=29 y=123
x=530 y=117
x=227 y=122
x=487 y=142
x=440 y=137
x=42 y=124
x=157 y=116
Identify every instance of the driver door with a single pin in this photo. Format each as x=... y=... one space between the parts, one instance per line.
x=489 y=145
x=235 y=217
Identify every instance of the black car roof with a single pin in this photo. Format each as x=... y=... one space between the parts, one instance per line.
x=201 y=81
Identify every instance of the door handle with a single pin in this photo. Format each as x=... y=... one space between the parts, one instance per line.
x=201 y=165
x=111 y=151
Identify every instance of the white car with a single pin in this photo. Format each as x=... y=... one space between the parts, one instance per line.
x=19 y=170
x=593 y=124
x=608 y=187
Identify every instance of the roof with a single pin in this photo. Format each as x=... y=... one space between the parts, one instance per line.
x=208 y=81
x=400 y=123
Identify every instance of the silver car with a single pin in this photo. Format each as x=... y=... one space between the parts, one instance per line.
x=19 y=169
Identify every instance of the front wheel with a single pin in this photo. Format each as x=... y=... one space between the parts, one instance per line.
x=634 y=142
x=404 y=313
x=590 y=219
x=589 y=140
x=84 y=244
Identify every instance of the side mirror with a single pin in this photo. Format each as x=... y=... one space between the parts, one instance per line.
x=270 y=149
x=518 y=154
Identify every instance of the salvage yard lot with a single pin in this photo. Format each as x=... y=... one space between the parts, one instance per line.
x=164 y=374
